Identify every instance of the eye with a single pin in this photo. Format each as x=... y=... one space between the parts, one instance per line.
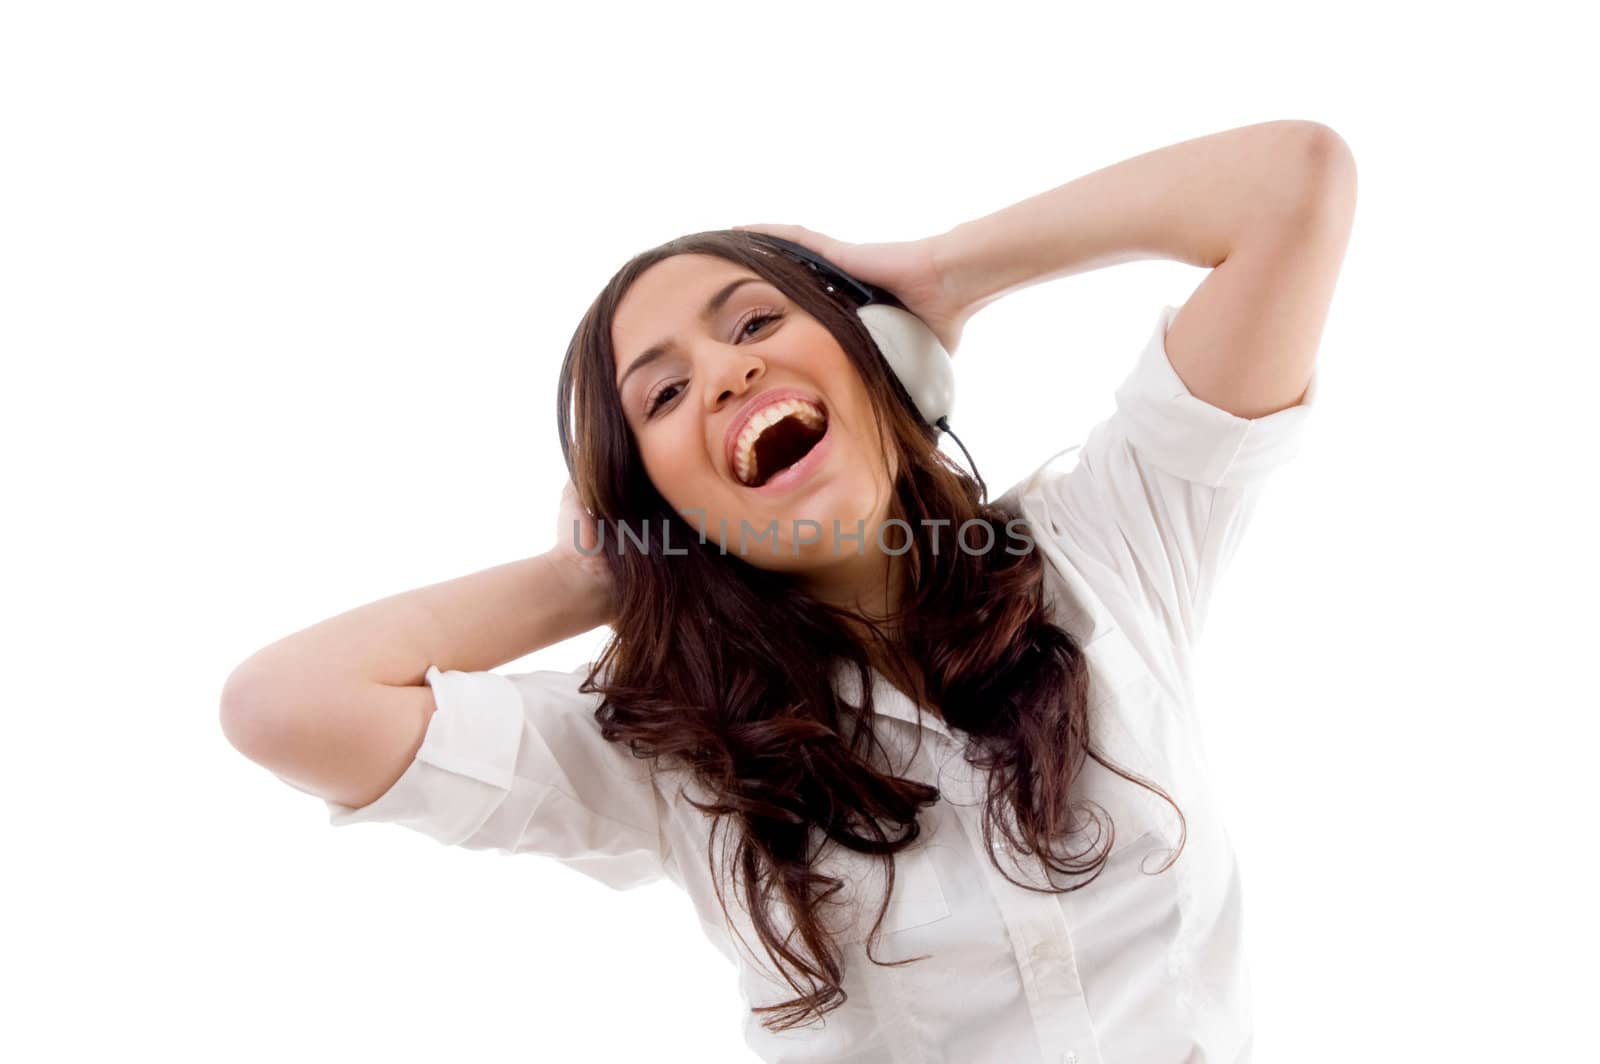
x=661 y=397
x=669 y=391
x=758 y=319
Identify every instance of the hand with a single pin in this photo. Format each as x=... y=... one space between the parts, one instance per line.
x=586 y=574
x=908 y=268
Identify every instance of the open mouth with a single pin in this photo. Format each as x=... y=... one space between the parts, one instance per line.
x=776 y=438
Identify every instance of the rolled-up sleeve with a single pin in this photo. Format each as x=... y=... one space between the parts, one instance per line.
x=1191 y=440
x=1164 y=487
x=516 y=763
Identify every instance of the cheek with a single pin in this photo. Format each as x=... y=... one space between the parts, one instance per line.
x=866 y=435
x=676 y=465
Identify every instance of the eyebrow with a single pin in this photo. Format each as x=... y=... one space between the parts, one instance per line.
x=713 y=305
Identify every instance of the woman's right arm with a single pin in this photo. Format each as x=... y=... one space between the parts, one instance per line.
x=341 y=708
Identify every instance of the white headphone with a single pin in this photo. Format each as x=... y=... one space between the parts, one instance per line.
x=916 y=358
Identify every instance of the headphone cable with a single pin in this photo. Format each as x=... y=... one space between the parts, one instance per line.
x=983 y=489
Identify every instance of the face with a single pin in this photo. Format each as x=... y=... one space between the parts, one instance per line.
x=696 y=404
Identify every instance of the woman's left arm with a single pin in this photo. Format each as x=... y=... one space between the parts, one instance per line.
x=1267 y=207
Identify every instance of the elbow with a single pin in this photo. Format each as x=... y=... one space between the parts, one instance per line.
x=1324 y=190
x=239 y=720
x=1309 y=187
x=245 y=721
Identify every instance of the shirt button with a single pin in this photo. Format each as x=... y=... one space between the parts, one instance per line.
x=1069 y=1057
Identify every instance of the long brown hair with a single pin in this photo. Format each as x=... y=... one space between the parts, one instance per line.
x=727 y=670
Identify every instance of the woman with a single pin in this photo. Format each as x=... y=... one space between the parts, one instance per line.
x=937 y=791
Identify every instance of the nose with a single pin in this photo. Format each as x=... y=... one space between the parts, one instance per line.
x=734 y=376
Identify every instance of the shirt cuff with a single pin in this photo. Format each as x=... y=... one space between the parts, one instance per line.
x=475 y=732
x=1194 y=440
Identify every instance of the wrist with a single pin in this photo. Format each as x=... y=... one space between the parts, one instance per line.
x=966 y=279
x=585 y=588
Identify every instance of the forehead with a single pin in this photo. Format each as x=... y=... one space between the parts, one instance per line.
x=665 y=301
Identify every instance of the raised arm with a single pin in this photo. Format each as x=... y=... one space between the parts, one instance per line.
x=1267 y=207
x=340 y=709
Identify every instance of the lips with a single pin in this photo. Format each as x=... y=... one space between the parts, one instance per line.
x=752 y=407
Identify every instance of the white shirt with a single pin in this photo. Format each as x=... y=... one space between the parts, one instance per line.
x=1145 y=968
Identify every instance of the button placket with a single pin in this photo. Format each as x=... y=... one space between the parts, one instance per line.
x=1043 y=949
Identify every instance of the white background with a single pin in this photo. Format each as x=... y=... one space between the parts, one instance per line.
x=283 y=293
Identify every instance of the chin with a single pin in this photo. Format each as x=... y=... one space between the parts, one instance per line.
x=805 y=525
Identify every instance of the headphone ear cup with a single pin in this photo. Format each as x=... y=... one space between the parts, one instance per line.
x=916 y=357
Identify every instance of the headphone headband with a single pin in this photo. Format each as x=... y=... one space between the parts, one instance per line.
x=859 y=292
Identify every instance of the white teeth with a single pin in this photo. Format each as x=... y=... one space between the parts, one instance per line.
x=745 y=450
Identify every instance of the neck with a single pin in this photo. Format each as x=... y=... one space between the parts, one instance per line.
x=872 y=586
x=868 y=584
